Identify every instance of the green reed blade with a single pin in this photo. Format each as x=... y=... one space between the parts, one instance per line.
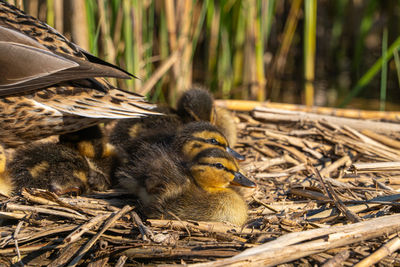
x=383 y=71
x=367 y=77
x=397 y=62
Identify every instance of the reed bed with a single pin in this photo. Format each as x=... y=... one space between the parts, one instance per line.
x=327 y=193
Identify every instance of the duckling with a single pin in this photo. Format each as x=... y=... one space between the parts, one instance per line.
x=49 y=85
x=6 y=183
x=186 y=142
x=194 y=105
x=196 y=190
x=55 y=167
x=214 y=172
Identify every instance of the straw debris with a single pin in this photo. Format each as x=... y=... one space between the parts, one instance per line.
x=327 y=195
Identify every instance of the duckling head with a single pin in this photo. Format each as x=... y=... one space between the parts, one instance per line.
x=214 y=169
x=197 y=136
x=196 y=104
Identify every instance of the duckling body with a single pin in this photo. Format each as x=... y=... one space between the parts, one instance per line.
x=127 y=130
x=197 y=190
x=55 y=167
x=48 y=85
x=201 y=205
x=90 y=142
x=224 y=121
x=152 y=173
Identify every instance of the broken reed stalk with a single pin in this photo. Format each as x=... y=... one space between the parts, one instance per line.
x=297 y=245
x=75 y=235
x=387 y=249
x=113 y=218
x=217 y=227
x=336 y=200
x=337 y=260
x=381 y=138
x=143 y=229
x=271 y=115
x=249 y=105
x=26 y=208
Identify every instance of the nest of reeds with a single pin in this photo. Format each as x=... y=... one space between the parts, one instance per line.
x=327 y=194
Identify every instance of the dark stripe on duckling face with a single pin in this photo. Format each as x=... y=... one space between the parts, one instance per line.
x=215 y=169
x=218 y=166
x=203 y=140
x=211 y=137
x=212 y=141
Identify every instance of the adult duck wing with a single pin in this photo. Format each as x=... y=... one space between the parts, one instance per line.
x=29 y=65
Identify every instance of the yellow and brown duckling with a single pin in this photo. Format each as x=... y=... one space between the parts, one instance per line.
x=194 y=105
x=55 y=167
x=49 y=85
x=185 y=142
x=196 y=190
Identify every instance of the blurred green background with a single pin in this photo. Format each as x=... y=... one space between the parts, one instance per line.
x=326 y=53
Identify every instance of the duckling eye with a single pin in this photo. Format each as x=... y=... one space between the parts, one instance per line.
x=219 y=165
x=213 y=141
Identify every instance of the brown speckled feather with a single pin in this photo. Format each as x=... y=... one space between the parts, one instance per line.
x=48 y=85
